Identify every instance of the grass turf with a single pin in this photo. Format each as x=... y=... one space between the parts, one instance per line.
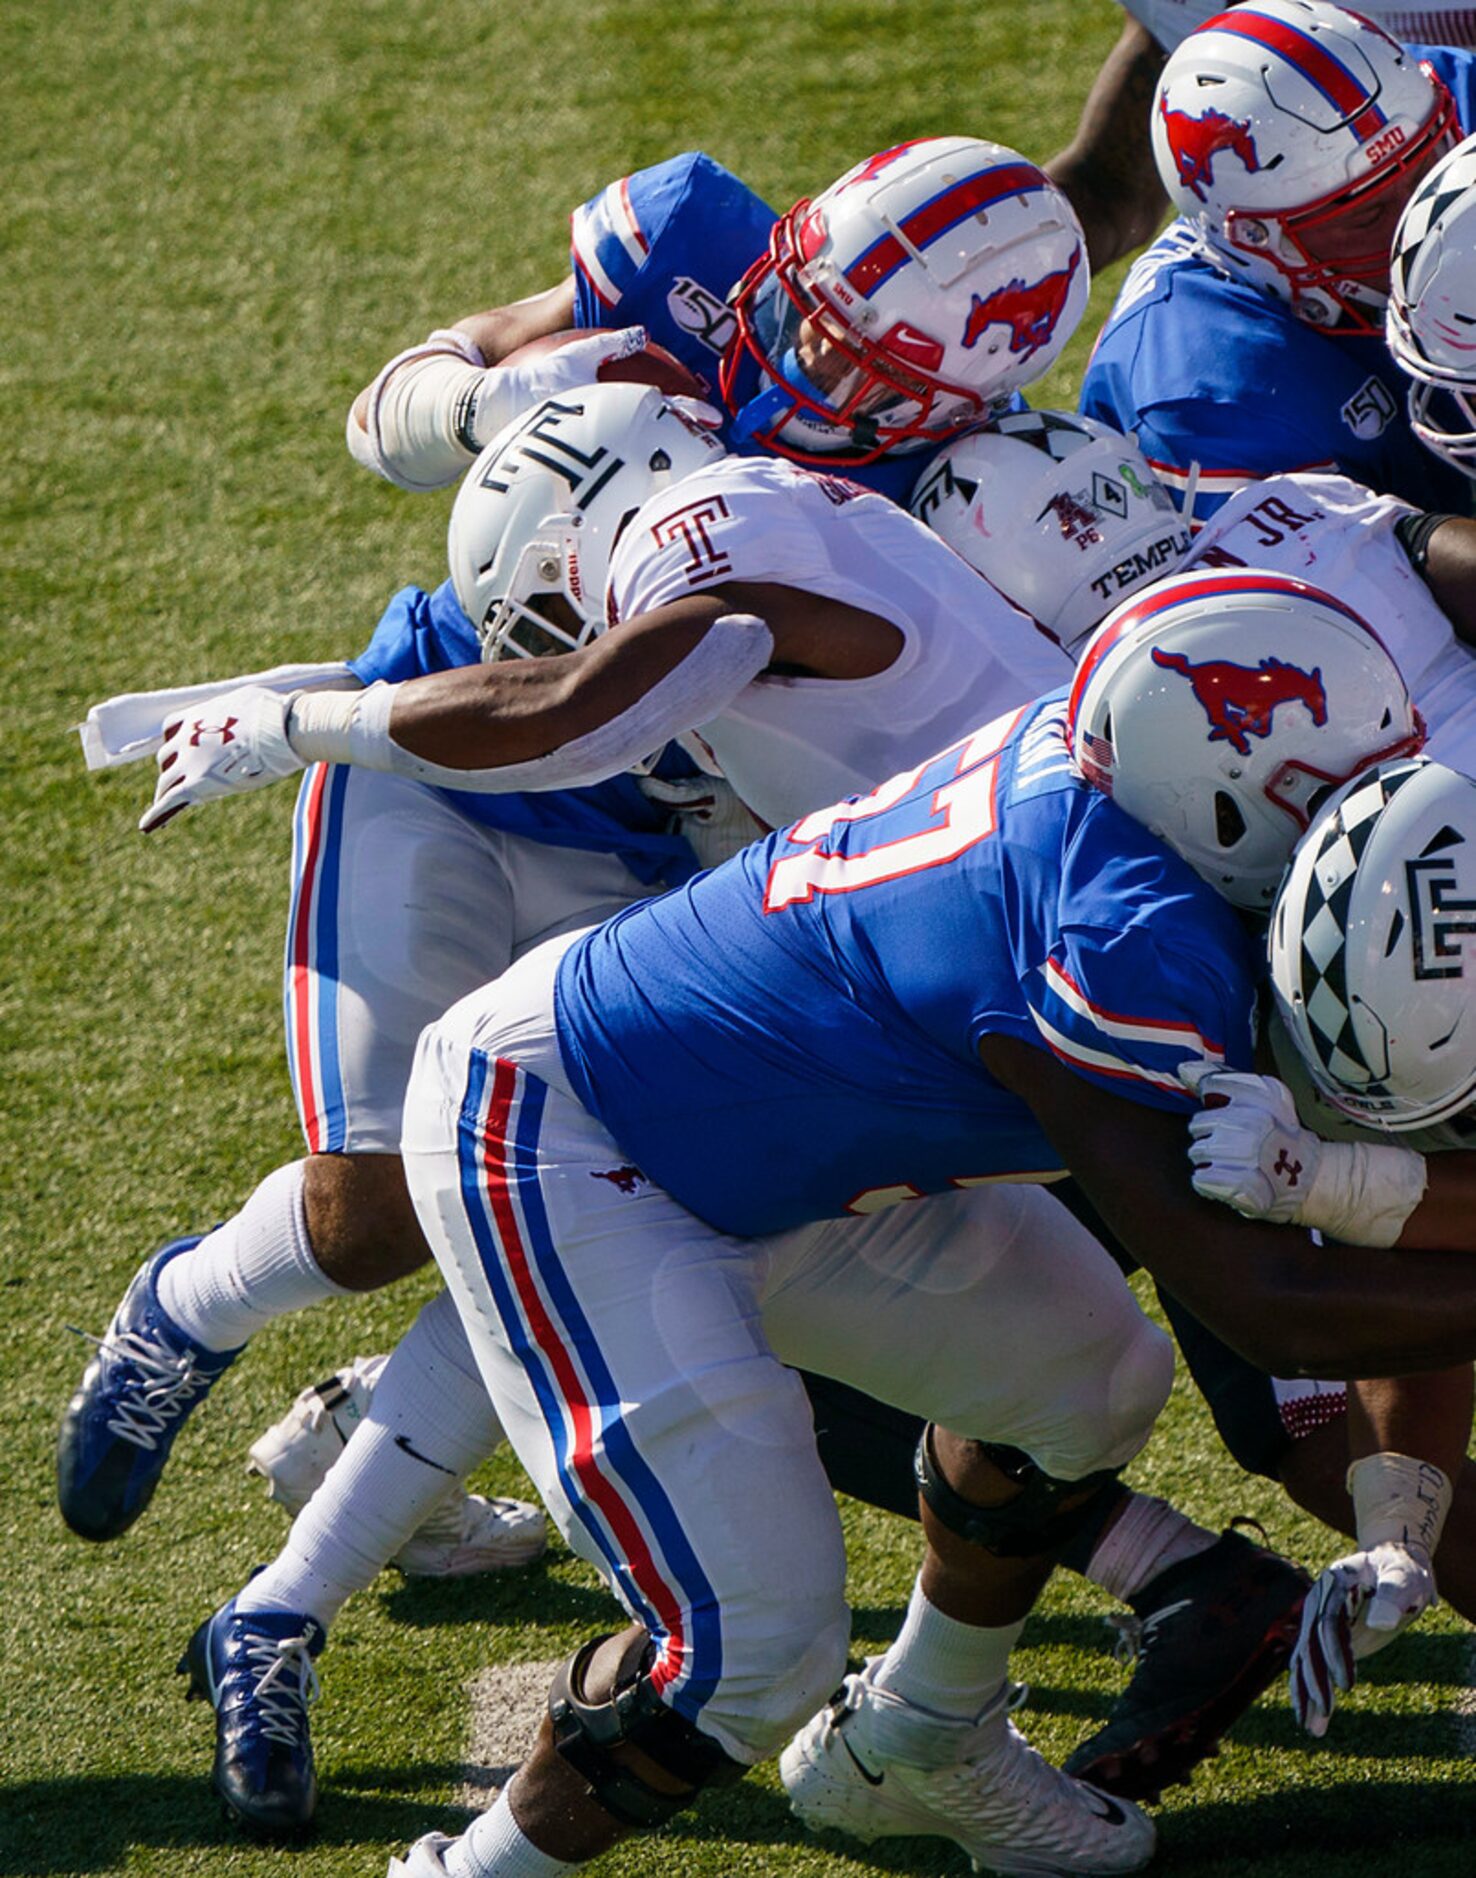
x=217 y=223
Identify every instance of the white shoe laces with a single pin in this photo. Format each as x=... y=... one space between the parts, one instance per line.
x=168 y=1384
x=286 y=1685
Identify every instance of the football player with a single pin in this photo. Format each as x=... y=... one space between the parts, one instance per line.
x=1432 y=301
x=1085 y=503
x=1073 y=965
x=1107 y=170
x=1248 y=339
x=905 y=303
x=1369 y=943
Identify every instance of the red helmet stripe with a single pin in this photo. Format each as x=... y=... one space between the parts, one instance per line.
x=1307 y=55
x=935 y=217
x=1171 y=593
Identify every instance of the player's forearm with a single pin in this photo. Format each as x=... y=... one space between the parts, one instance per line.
x=1107 y=170
x=500 y=330
x=1428 y=1416
x=1445 y=1219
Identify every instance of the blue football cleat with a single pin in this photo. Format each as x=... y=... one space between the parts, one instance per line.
x=132 y=1401
x=255 y=1669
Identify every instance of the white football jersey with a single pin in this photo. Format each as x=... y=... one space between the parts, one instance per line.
x=1340 y=536
x=1437 y=23
x=789 y=745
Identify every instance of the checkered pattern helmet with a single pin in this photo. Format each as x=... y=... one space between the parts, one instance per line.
x=1432 y=307
x=1059 y=512
x=1373 y=946
x=923 y=288
x=1292 y=133
x=1217 y=706
x=538 y=514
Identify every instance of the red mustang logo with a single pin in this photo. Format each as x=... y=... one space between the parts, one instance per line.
x=1197 y=141
x=1030 y=311
x=1241 y=700
x=625 y=1179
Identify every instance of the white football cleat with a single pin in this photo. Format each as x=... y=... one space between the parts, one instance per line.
x=464 y=1534
x=1003 y=1803
x=425 y=1859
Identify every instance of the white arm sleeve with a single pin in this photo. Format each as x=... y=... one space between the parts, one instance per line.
x=131 y=726
x=411 y=434
x=729 y=655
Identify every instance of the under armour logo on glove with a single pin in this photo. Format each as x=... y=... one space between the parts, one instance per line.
x=243 y=745
x=226 y=731
x=1291 y=1169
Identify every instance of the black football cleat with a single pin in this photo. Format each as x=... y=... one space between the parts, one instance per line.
x=255 y=1669
x=1217 y=1629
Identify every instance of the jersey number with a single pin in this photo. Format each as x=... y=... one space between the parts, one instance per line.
x=963 y=812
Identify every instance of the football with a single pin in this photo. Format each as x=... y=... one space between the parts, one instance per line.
x=652 y=365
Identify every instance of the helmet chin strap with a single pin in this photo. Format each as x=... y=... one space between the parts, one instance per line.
x=773 y=413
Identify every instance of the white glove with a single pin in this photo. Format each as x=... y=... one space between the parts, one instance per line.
x=1359 y=1604
x=715 y=822
x=236 y=743
x=1362 y=1602
x=431 y=409
x=425 y=1859
x=1250 y=1152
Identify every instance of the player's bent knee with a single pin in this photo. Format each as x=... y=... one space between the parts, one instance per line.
x=642 y=1761
x=360 y=1219
x=1042 y=1516
x=1134 y=1397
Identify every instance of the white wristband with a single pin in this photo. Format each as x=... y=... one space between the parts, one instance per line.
x=1364 y=1191
x=412 y=433
x=1398 y=1500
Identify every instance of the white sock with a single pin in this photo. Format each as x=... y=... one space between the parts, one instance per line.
x=952 y=1670
x=430 y=1421
x=1145 y=1539
x=495 y=1846
x=257 y=1266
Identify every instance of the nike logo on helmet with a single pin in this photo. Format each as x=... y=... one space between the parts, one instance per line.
x=402 y=1442
x=871 y=1779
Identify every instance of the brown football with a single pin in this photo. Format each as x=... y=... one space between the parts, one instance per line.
x=653 y=365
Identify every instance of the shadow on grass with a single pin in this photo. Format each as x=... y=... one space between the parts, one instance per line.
x=89 y=1823
x=530 y=1598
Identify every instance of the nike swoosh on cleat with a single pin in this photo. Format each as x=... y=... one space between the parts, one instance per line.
x=871 y=1779
x=1108 y=1810
x=402 y=1442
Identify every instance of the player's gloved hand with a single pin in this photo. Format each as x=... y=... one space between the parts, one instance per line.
x=505 y=391
x=714 y=820
x=236 y=743
x=1250 y=1152
x=431 y=409
x=1359 y=1604
x=1248 y=1149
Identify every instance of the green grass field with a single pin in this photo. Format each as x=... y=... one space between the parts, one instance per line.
x=217 y=223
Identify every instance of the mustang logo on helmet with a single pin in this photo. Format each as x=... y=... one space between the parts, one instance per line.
x=1240 y=700
x=1030 y=311
x=1197 y=141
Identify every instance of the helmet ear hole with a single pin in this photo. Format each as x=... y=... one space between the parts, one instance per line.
x=1229 y=822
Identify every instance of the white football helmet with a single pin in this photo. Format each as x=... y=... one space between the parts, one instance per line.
x=1217 y=706
x=1292 y=133
x=1059 y=512
x=928 y=284
x=1371 y=939
x=538 y=515
x=1431 y=325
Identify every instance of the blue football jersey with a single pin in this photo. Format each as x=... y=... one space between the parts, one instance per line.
x=1208 y=369
x=662 y=248
x=794 y=1036
x=419 y=633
